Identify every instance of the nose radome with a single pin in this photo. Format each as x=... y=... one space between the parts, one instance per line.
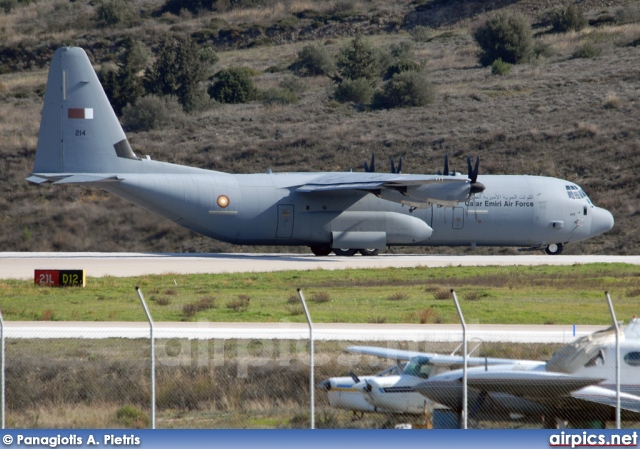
x=601 y=221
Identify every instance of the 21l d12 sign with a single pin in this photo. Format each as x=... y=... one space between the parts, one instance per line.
x=60 y=278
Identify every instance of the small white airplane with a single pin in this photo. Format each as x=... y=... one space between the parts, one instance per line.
x=393 y=390
x=576 y=386
x=81 y=142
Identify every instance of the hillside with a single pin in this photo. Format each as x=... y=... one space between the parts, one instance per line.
x=561 y=116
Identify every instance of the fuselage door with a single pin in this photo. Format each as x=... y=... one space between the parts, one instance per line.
x=285 y=221
x=458 y=218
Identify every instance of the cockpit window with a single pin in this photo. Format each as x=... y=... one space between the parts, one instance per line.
x=598 y=360
x=419 y=367
x=632 y=358
x=576 y=193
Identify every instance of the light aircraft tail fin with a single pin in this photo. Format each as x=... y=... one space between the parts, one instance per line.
x=79 y=131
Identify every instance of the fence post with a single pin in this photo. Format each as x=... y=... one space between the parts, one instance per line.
x=617 y=327
x=465 y=399
x=153 y=359
x=311 y=361
x=2 y=369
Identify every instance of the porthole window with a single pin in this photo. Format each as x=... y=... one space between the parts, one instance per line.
x=632 y=358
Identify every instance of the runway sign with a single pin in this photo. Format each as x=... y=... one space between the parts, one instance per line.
x=60 y=278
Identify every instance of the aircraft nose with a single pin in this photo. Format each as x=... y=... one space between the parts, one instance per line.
x=601 y=221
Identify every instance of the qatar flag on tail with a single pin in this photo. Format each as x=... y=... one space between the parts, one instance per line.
x=82 y=113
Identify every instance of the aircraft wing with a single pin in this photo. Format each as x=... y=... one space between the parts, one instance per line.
x=387 y=353
x=607 y=397
x=411 y=190
x=450 y=361
x=529 y=384
x=372 y=181
x=556 y=390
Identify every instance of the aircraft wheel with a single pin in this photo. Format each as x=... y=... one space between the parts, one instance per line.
x=554 y=249
x=322 y=250
x=369 y=252
x=344 y=251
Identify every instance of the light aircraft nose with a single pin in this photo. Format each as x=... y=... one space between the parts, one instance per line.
x=601 y=221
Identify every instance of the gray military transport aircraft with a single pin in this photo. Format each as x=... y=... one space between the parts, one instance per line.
x=81 y=142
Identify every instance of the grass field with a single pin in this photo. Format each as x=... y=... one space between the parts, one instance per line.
x=501 y=295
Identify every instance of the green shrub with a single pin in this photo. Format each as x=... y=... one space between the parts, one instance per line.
x=124 y=85
x=232 y=85
x=131 y=417
x=507 y=36
x=313 y=60
x=354 y=91
x=629 y=13
x=401 y=65
x=8 y=5
x=406 y=89
x=180 y=68
x=239 y=305
x=587 y=51
x=152 y=112
x=116 y=13
x=293 y=84
x=359 y=60
x=565 y=19
x=499 y=67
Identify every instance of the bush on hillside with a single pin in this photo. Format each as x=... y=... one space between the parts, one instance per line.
x=359 y=60
x=116 y=13
x=313 y=60
x=566 y=19
x=587 y=51
x=232 y=85
x=357 y=91
x=406 y=89
x=507 y=36
x=499 y=67
x=180 y=68
x=152 y=112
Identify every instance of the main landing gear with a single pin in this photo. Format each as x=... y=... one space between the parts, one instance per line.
x=554 y=249
x=325 y=250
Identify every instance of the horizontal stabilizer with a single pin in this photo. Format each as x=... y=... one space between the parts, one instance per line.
x=36 y=179
x=85 y=179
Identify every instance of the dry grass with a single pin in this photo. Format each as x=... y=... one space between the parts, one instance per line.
x=398 y=296
x=471 y=109
x=320 y=297
x=442 y=294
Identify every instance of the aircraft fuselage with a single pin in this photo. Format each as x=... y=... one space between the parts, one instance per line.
x=265 y=209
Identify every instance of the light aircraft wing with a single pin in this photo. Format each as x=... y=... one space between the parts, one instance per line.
x=556 y=390
x=529 y=384
x=607 y=397
x=449 y=361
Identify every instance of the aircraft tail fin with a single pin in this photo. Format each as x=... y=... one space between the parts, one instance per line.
x=79 y=131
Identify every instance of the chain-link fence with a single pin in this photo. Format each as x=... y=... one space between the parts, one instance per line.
x=264 y=383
